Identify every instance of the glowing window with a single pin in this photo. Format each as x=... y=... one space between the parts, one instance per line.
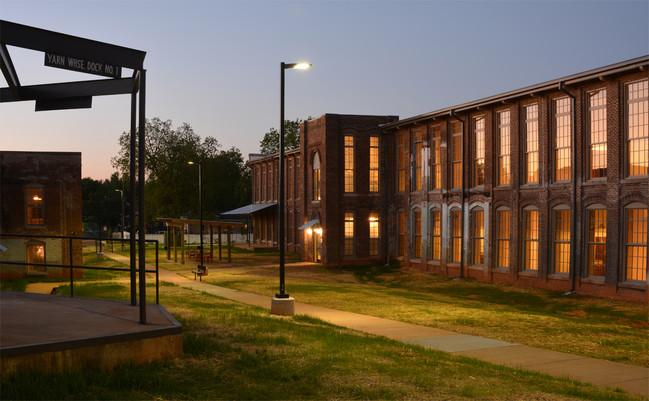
x=504 y=164
x=374 y=233
x=531 y=239
x=374 y=164
x=562 y=138
x=436 y=234
x=35 y=215
x=478 y=151
x=478 y=237
x=416 y=238
x=316 y=176
x=596 y=242
x=436 y=163
x=562 y=241
x=532 y=144
x=349 y=234
x=636 y=244
x=598 y=131
x=456 y=149
x=638 y=128
x=349 y=163
x=456 y=236
x=503 y=238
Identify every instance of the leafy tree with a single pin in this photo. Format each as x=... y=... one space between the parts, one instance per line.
x=101 y=204
x=270 y=143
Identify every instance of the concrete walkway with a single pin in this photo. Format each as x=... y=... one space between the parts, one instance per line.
x=634 y=379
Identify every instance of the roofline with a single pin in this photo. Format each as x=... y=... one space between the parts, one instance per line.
x=641 y=63
x=263 y=157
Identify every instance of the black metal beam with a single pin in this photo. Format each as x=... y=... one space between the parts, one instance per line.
x=98 y=87
x=64 y=104
x=53 y=42
x=8 y=70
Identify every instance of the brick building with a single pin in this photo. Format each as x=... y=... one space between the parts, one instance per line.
x=545 y=186
x=40 y=194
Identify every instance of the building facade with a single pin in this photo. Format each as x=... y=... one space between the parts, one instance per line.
x=40 y=195
x=545 y=186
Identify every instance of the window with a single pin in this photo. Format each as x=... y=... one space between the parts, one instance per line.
x=478 y=151
x=531 y=239
x=35 y=254
x=275 y=180
x=290 y=226
x=504 y=237
x=562 y=241
x=504 y=164
x=562 y=137
x=263 y=182
x=597 y=126
x=436 y=234
x=316 y=176
x=298 y=183
x=596 y=242
x=35 y=215
x=437 y=158
x=456 y=236
x=349 y=234
x=374 y=234
x=401 y=240
x=349 y=163
x=478 y=237
x=402 y=150
x=257 y=183
x=638 y=128
x=416 y=233
x=636 y=244
x=289 y=180
x=374 y=164
x=532 y=144
x=417 y=154
x=456 y=149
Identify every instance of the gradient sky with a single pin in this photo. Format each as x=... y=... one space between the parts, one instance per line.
x=215 y=64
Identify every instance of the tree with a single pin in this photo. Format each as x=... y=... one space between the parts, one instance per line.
x=101 y=204
x=270 y=143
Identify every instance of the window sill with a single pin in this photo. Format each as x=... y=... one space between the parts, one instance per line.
x=635 y=285
x=477 y=267
x=528 y=273
x=635 y=179
x=501 y=270
x=559 y=276
x=593 y=280
x=415 y=260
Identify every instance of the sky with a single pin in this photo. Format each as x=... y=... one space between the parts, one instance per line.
x=215 y=64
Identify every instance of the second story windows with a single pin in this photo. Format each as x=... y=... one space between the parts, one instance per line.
x=436 y=162
x=417 y=155
x=478 y=151
x=504 y=163
x=316 y=176
x=456 y=152
x=402 y=156
x=637 y=127
x=374 y=164
x=349 y=163
x=531 y=116
x=598 y=132
x=562 y=139
x=35 y=212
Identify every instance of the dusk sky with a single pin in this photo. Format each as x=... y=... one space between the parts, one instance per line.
x=215 y=64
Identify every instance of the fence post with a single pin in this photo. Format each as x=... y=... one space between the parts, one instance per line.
x=71 y=271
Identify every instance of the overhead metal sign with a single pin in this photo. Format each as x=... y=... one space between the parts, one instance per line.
x=82 y=65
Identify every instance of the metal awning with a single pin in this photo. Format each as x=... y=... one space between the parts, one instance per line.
x=309 y=224
x=250 y=209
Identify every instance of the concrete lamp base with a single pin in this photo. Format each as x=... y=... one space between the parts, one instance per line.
x=282 y=306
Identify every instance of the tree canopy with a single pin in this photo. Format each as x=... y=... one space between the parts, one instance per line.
x=270 y=143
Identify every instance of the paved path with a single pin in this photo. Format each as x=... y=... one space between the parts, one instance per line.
x=634 y=379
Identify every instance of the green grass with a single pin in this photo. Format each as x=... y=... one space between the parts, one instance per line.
x=235 y=351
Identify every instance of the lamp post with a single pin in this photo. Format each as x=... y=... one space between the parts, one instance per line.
x=200 y=206
x=122 y=236
x=279 y=307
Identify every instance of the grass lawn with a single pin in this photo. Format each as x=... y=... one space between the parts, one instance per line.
x=589 y=326
x=235 y=351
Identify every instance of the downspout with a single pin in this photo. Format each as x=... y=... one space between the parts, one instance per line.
x=452 y=114
x=573 y=215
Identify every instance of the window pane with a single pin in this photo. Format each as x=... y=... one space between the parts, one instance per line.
x=503 y=238
x=436 y=234
x=478 y=237
x=596 y=242
x=636 y=244
x=562 y=241
x=563 y=136
x=374 y=234
x=456 y=236
x=531 y=239
x=349 y=234
x=638 y=128
x=35 y=206
x=349 y=163
x=504 y=172
x=479 y=152
x=532 y=144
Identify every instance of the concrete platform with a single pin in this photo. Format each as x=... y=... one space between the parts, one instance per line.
x=56 y=333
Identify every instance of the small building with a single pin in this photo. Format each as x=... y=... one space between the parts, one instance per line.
x=40 y=195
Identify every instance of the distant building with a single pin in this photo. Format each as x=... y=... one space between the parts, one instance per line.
x=544 y=186
x=40 y=194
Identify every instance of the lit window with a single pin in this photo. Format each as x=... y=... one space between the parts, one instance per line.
x=504 y=164
x=417 y=150
x=316 y=176
x=456 y=149
x=374 y=234
x=597 y=126
x=436 y=234
x=456 y=236
x=35 y=213
x=562 y=138
x=596 y=242
x=349 y=234
x=437 y=158
x=638 y=128
x=401 y=162
x=36 y=254
x=532 y=144
x=374 y=164
x=503 y=238
x=349 y=163
x=636 y=244
x=416 y=238
x=531 y=240
x=478 y=151
x=562 y=241
x=401 y=240
x=478 y=237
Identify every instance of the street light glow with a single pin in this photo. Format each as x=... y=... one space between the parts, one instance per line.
x=302 y=66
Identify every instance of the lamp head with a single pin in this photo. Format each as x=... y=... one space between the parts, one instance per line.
x=297 y=66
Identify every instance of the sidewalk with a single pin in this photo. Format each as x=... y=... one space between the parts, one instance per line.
x=634 y=379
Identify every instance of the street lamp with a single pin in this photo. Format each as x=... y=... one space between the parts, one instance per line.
x=279 y=305
x=200 y=206
x=122 y=194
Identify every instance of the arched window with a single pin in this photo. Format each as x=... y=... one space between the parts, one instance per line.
x=436 y=234
x=416 y=233
x=478 y=234
x=316 y=176
x=374 y=233
x=503 y=215
x=456 y=236
x=635 y=223
x=561 y=251
x=530 y=239
x=596 y=241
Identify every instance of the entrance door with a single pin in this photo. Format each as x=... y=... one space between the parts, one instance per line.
x=317 y=244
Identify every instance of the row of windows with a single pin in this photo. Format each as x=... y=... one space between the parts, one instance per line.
x=350 y=236
x=265 y=180
x=636 y=130
x=635 y=239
